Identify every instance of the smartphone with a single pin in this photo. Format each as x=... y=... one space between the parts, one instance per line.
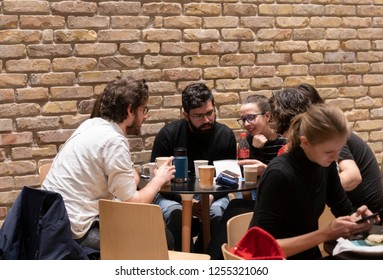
x=230 y=173
x=369 y=217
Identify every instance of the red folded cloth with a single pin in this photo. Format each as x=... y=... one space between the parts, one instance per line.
x=258 y=244
x=282 y=150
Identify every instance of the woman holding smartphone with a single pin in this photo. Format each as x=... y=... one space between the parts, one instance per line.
x=296 y=186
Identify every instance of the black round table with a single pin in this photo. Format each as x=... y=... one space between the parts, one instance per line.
x=187 y=190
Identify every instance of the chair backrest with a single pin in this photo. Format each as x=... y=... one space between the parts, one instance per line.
x=227 y=255
x=326 y=218
x=132 y=231
x=43 y=171
x=237 y=226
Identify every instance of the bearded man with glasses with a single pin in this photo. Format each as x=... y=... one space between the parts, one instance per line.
x=204 y=138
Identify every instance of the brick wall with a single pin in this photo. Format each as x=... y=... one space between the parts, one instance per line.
x=57 y=56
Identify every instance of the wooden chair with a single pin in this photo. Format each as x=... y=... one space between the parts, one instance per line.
x=227 y=255
x=237 y=226
x=326 y=218
x=43 y=171
x=135 y=231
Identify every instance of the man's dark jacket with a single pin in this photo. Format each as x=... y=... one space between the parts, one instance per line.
x=38 y=227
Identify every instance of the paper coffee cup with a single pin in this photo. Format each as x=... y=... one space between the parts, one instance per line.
x=161 y=160
x=206 y=176
x=250 y=173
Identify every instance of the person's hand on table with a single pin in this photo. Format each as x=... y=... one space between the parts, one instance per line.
x=163 y=175
x=261 y=165
x=166 y=171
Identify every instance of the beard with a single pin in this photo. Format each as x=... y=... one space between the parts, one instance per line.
x=134 y=129
x=203 y=129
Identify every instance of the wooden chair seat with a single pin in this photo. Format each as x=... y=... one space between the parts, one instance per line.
x=227 y=255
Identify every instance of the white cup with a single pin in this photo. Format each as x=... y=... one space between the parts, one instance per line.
x=148 y=169
x=198 y=163
x=250 y=173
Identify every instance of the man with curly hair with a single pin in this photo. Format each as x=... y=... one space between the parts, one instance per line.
x=95 y=162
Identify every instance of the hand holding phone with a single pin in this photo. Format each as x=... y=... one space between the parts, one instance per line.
x=366 y=218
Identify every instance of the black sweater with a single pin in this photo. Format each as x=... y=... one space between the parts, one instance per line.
x=292 y=195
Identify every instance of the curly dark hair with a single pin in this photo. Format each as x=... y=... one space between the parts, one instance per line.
x=195 y=95
x=285 y=105
x=311 y=92
x=117 y=96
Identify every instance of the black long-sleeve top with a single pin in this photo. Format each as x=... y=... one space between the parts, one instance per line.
x=292 y=195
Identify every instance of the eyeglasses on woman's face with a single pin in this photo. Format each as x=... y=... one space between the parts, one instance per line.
x=248 y=118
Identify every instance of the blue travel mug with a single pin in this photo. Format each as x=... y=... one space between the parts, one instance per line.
x=181 y=164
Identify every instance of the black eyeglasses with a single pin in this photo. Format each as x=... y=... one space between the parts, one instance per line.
x=146 y=110
x=199 y=117
x=249 y=118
